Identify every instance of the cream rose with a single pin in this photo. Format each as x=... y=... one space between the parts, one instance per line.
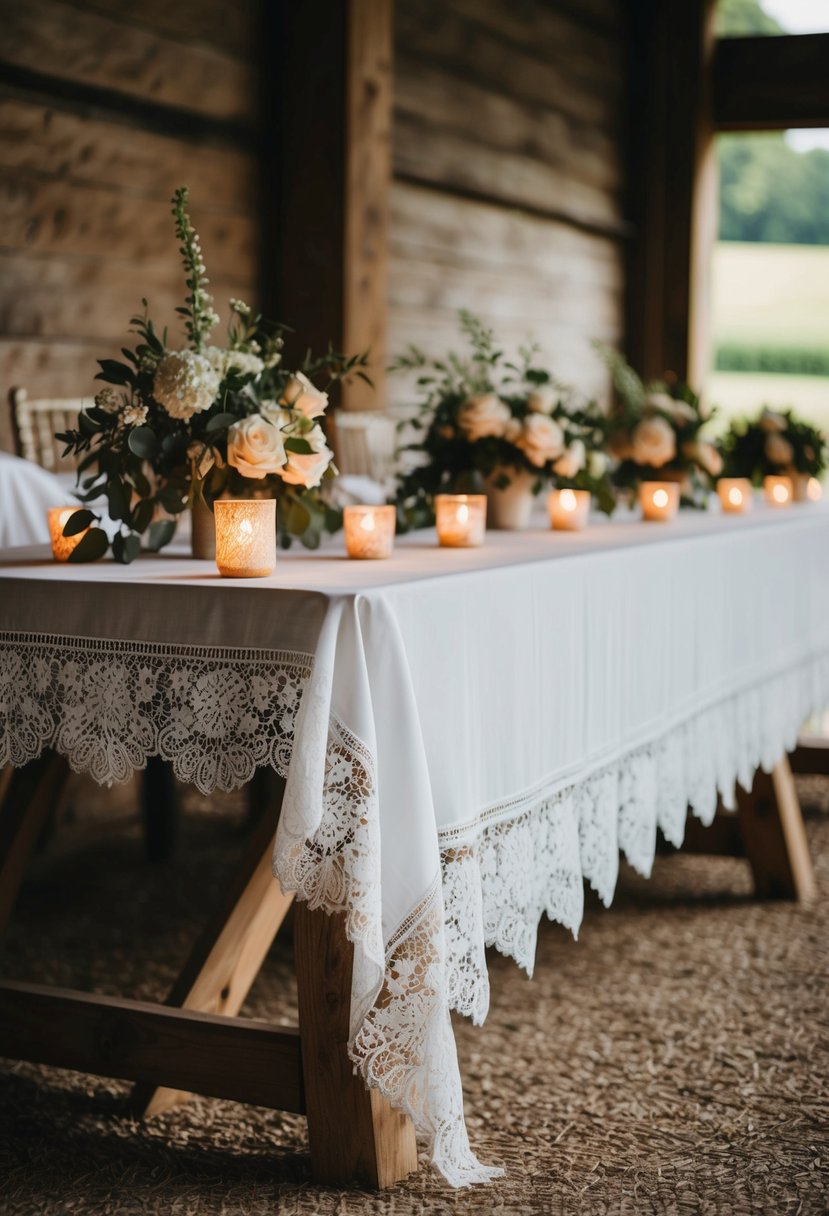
x=705 y=455
x=653 y=442
x=571 y=462
x=484 y=415
x=770 y=421
x=541 y=439
x=185 y=384
x=255 y=447
x=303 y=396
x=307 y=470
x=597 y=465
x=542 y=399
x=778 y=449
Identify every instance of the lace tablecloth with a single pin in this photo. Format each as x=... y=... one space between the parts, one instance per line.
x=466 y=735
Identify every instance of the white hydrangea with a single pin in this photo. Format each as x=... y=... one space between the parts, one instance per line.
x=185 y=384
x=225 y=361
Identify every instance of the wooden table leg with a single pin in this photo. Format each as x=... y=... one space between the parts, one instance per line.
x=774 y=836
x=353 y=1131
x=30 y=794
x=229 y=954
x=159 y=809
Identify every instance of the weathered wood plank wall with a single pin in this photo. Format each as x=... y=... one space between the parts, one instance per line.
x=508 y=193
x=104 y=109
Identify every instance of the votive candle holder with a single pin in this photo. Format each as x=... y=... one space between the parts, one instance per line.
x=245 y=537
x=814 y=490
x=659 y=500
x=63 y=546
x=369 y=531
x=779 y=491
x=461 y=520
x=569 y=510
x=735 y=495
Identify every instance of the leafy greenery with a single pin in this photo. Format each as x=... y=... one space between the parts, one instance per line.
x=774 y=442
x=770 y=192
x=477 y=411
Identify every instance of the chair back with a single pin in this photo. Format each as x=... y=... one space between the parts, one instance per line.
x=366 y=444
x=35 y=425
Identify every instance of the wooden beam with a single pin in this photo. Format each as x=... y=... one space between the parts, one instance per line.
x=771 y=83
x=672 y=194
x=327 y=179
x=245 y=1061
x=227 y=958
x=775 y=837
x=30 y=795
x=353 y=1131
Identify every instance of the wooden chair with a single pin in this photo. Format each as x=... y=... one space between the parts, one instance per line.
x=366 y=444
x=36 y=422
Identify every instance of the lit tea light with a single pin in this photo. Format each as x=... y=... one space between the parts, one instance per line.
x=659 y=500
x=460 y=519
x=814 y=490
x=62 y=545
x=568 y=509
x=778 y=491
x=245 y=537
x=735 y=494
x=369 y=531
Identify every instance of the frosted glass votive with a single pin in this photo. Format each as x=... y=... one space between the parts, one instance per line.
x=735 y=495
x=569 y=510
x=659 y=500
x=461 y=520
x=62 y=546
x=245 y=536
x=369 y=531
x=779 y=491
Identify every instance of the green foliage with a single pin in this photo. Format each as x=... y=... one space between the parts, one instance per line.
x=774 y=442
x=786 y=360
x=770 y=192
x=741 y=17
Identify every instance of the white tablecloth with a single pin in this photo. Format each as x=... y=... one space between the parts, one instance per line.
x=26 y=493
x=517 y=713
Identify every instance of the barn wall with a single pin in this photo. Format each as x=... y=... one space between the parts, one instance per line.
x=508 y=180
x=104 y=109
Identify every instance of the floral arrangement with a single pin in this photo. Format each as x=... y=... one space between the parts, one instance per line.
x=175 y=427
x=774 y=443
x=485 y=419
x=654 y=432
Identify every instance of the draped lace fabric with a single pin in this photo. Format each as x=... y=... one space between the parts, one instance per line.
x=502 y=871
x=217 y=715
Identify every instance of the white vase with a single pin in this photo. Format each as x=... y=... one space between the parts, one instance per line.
x=509 y=509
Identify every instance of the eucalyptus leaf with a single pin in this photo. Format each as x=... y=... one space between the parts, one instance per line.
x=219 y=422
x=142 y=515
x=90 y=547
x=142 y=442
x=78 y=521
x=301 y=447
x=115 y=373
x=118 y=499
x=160 y=534
x=172 y=499
x=87 y=426
x=125 y=548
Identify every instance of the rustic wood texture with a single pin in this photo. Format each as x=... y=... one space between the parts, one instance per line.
x=224 y=963
x=767 y=84
x=774 y=836
x=353 y=1131
x=509 y=191
x=104 y=111
x=245 y=1061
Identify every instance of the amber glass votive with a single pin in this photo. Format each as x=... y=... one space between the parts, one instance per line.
x=568 y=509
x=735 y=494
x=659 y=500
x=245 y=537
x=461 y=520
x=814 y=490
x=779 y=491
x=369 y=531
x=62 y=545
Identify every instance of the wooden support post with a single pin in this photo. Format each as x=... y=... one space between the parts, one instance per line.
x=353 y=1131
x=245 y=1061
x=229 y=954
x=31 y=794
x=774 y=836
x=159 y=807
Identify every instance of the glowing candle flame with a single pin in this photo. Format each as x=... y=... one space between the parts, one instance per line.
x=463 y=513
x=814 y=489
x=660 y=498
x=367 y=523
x=568 y=500
x=735 y=496
x=780 y=493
